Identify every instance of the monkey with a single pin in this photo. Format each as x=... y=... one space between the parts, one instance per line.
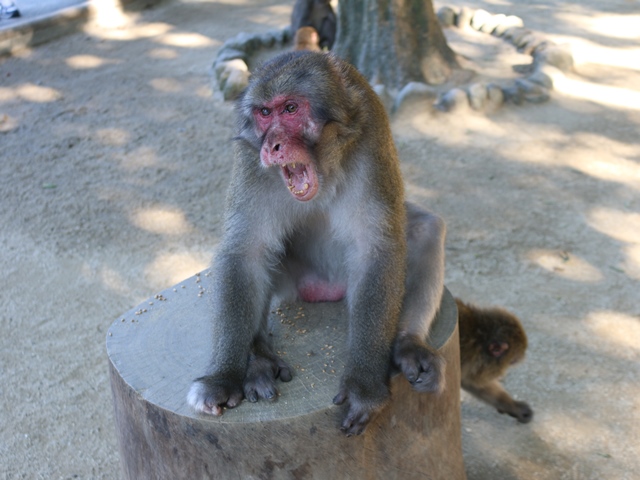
x=316 y=211
x=317 y=14
x=491 y=340
x=306 y=38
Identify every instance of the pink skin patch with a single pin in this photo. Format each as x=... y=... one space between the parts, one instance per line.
x=283 y=121
x=313 y=290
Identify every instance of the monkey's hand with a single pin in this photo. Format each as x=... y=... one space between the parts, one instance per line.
x=211 y=393
x=262 y=372
x=362 y=406
x=422 y=366
x=521 y=411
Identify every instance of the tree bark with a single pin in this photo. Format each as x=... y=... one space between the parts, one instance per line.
x=394 y=42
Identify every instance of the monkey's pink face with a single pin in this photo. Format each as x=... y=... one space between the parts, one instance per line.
x=287 y=127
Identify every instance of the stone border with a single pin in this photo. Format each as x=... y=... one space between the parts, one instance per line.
x=231 y=69
x=549 y=62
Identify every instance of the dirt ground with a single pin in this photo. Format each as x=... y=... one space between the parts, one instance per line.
x=114 y=163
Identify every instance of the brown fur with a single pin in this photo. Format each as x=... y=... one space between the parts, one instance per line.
x=307 y=38
x=491 y=340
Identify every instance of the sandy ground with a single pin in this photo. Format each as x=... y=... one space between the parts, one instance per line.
x=114 y=163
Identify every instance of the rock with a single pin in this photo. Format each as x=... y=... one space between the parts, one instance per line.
x=508 y=22
x=223 y=69
x=491 y=23
x=243 y=41
x=447 y=16
x=454 y=99
x=532 y=43
x=480 y=17
x=541 y=78
x=554 y=74
x=282 y=37
x=226 y=54
x=558 y=56
x=232 y=75
x=235 y=83
x=412 y=92
x=527 y=43
x=513 y=34
x=512 y=94
x=464 y=17
x=478 y=95
x=495 y=97
x=532 y=92
x=268 y=40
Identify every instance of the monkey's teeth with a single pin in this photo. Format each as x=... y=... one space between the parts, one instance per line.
x=306 y=187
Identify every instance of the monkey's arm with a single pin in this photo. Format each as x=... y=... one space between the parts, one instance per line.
x=374 y=296
x=422 y=366
x=494 y=394
x=238 y=303
x=242 y=364
x=425 y=270
x=365 y=382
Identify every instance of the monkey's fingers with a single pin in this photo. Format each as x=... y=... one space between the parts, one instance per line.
x=431 y=378
x=422 y=367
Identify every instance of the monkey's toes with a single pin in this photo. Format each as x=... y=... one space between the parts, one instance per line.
x=284 y=372
x=523 y=413
x=355 y=422
x=207 y=397
x=261 y=387
x=359 y=412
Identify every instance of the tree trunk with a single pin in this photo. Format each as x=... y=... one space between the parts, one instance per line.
x=394 y=42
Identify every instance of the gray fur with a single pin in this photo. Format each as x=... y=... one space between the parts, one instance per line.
x=354 y=232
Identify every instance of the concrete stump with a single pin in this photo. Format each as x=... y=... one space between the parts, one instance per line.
x=156 y=349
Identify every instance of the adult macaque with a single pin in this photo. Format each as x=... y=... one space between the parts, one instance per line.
x=306 y=38
x=316 y=210
x=491 y=340
x=317 y=14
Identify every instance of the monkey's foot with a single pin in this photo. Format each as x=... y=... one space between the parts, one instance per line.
x=210 y=394
x=422 y=366
x=262 y=373
x=360 y=410
x=521 y=411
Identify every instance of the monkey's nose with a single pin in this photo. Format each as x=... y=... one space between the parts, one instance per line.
x=276 y=147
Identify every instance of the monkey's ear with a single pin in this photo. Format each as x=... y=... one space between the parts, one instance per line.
x=497 y=349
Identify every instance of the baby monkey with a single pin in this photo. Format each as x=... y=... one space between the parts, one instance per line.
x=491 y=340
x=307 y=38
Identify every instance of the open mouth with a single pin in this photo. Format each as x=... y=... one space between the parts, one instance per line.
x=301 y=180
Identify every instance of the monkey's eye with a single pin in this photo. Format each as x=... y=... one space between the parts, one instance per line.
x=265 y=112
x=291 y=107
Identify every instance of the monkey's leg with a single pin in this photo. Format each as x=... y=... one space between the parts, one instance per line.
x=422 y=366
x=494 y=394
